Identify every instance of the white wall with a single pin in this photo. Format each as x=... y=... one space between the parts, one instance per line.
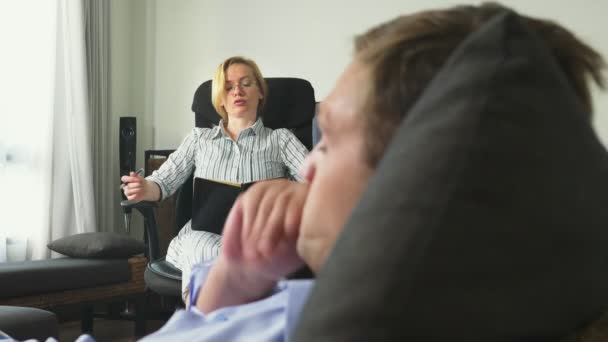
x=309 y=39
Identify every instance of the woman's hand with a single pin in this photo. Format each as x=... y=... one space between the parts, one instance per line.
x=137 y=188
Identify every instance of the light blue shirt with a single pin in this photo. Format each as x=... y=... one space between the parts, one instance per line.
x=269 y=319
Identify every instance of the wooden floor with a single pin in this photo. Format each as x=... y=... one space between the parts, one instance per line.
x=106 y=330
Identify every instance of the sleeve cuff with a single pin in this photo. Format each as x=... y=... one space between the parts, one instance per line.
x=199 y=275
x=163 y=191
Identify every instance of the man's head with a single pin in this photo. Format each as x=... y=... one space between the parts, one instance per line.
x=393 y=64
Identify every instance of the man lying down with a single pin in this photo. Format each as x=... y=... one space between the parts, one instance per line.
x=278 y=226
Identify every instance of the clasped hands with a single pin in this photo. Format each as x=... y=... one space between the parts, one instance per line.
x=259 y=244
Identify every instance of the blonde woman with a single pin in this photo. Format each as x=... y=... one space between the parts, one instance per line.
x=239 y=150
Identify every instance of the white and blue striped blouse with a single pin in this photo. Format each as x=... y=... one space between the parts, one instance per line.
x=259 y=153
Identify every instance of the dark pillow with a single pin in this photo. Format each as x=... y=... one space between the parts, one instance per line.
x=211 y=203
x=97 y=245
x=486 y=219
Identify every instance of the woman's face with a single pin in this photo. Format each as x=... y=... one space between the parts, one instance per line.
x=242 y=92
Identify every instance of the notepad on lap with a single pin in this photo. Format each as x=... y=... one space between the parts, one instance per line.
x=211 y=203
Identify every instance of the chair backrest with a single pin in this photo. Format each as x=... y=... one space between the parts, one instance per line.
x=290 y=104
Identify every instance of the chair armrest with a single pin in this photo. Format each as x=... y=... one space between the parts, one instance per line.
x=165 y=269
x=148 y=211
x=141 y=205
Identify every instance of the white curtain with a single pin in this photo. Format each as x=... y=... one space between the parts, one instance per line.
x=105 y=159
x=45 y=149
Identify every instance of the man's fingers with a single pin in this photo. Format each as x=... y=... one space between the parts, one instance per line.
x=273 y=230
x=231 y=241
x=255 y=236
x=250 y=202
x=293 y=216
x=260 y=224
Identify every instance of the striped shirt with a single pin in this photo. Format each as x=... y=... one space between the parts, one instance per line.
x=259 y=153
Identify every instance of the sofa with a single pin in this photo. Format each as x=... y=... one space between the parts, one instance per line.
x=485 y=220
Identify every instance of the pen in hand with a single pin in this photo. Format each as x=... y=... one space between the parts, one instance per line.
x=138 y=173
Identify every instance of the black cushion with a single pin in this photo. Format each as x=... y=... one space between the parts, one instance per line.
x=97 y=245
x=486 y=219
x=45 y=276
x=290 y=104
x=28 y=323
x=211 y=203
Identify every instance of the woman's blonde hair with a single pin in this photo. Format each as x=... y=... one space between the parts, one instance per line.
x=218 y=85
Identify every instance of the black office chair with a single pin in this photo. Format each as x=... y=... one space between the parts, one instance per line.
x=290 y=104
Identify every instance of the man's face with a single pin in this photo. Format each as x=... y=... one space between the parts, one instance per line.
x=336 y=168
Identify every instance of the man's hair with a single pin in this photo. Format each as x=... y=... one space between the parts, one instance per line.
x=218 y=84
x=404 y=54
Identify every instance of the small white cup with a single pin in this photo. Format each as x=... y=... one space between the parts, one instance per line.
x=2 y=248
x=16 y=249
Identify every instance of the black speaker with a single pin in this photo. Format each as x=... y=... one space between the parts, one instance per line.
x=126 y=144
